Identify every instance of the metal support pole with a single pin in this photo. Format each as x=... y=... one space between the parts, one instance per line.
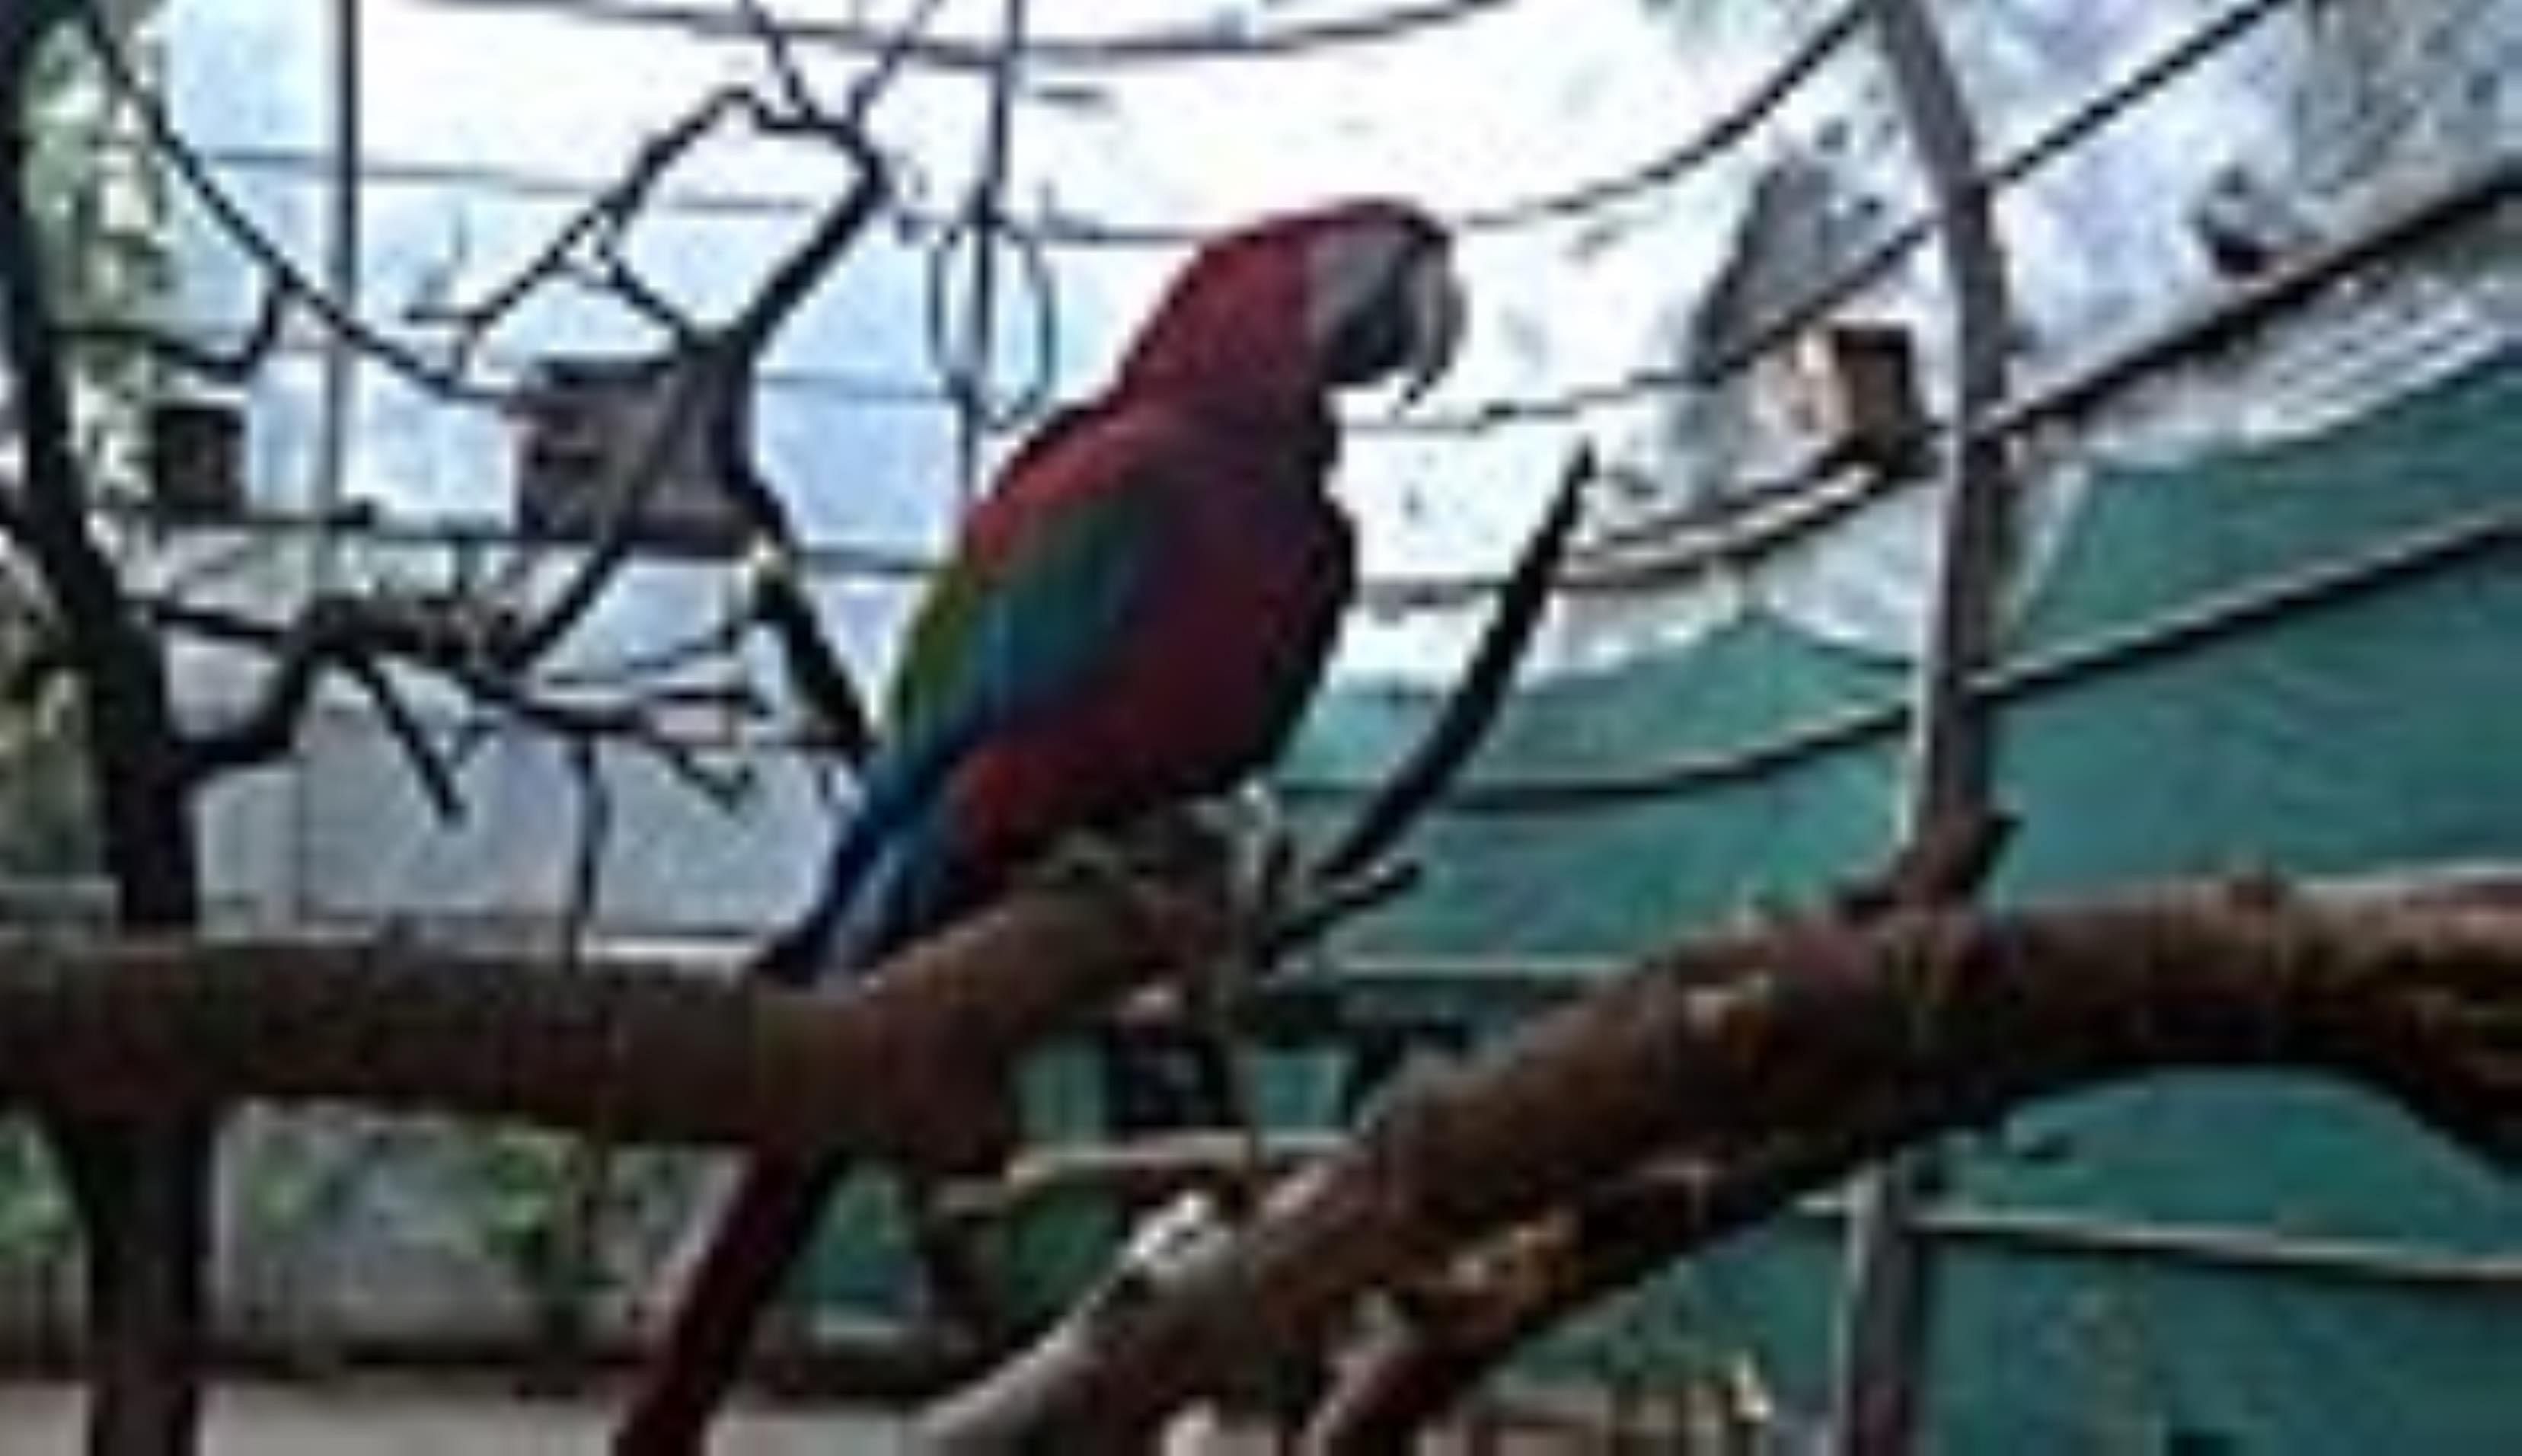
x=335 y=400
x=977 y=347
x=1887 y=1313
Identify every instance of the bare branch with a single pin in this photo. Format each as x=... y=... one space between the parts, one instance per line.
x=453 y=639
x=913 y=1065
x=699 y=386
x=437 y=777
x=1451 y=1330
x=1481 y=1305
x=710 y=389
x=780 y=54
x=1854 y=1040
x=352 y=633
x=1483 y=691
x=287 y=281
x=231 y=364
x=589 y=243
x=817 y=676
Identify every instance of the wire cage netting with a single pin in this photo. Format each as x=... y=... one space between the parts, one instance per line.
x=2261 y=367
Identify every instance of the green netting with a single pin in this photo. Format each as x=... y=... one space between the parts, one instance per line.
x=2344 y=696
x=1527 y=874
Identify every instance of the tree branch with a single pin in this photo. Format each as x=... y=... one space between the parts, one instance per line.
x=231 y=363
x=1453 y=1328
x=709 y=388
x=352 y=634
x=1476 y=700
x=1142 y=1170
x=913 y=1065
x=142 y=1190
x=287 y=283
x=1781 y=1057
x=1458 y=1327
x=1846 y=1041
x=493 y=650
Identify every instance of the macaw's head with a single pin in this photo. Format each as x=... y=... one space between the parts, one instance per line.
x=1275 y=315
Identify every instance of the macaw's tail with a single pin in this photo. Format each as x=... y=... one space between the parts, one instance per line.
x=767 y=1221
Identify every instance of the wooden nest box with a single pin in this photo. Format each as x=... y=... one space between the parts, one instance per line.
x=1855 y=396
x=585 y=425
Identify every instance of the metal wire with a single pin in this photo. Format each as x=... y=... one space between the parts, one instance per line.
x=1166 y=46
x=962 y=350
x=1071 y=230
x=1642 y=385
x=1666 y=169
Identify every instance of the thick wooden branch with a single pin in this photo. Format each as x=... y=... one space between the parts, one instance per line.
x=1874 y=1035
x=1453 y=1329
x=1411 y=1370
x=910 y=1065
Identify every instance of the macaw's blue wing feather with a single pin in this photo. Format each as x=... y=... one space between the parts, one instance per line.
x=861 y=875
x=1021 y=621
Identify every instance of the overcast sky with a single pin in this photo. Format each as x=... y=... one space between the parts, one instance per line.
x=1522 y=101
x=1513 y=103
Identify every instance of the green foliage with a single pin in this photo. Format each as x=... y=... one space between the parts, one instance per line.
x=45 y=829
x=101 y=207
x=36 y=1222
x=101 y=210
x=556 y=1210
x=518 y=1179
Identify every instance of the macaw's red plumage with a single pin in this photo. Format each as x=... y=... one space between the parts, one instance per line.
x=1134 y=615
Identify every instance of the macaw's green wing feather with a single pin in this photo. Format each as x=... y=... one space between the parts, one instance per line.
x=1029 y=615
x=1024 y=619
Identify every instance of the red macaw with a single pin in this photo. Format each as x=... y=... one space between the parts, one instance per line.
x=1134 y=615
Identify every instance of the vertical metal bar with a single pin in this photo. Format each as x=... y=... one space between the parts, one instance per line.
x=337 y=395
x=981 y=297
x=1886 y=1318
x=336 y=407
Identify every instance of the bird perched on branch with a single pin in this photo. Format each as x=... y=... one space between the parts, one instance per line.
x=1134 y=615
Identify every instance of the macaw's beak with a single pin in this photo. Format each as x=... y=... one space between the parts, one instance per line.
x=1382 y=302
x=1432 y=313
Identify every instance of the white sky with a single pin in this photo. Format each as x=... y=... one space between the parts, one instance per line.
x=1507 y=105
x=1525 y=100
x=1519 y=101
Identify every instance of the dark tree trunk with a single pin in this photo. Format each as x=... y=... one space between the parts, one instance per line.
x=142 y=1189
